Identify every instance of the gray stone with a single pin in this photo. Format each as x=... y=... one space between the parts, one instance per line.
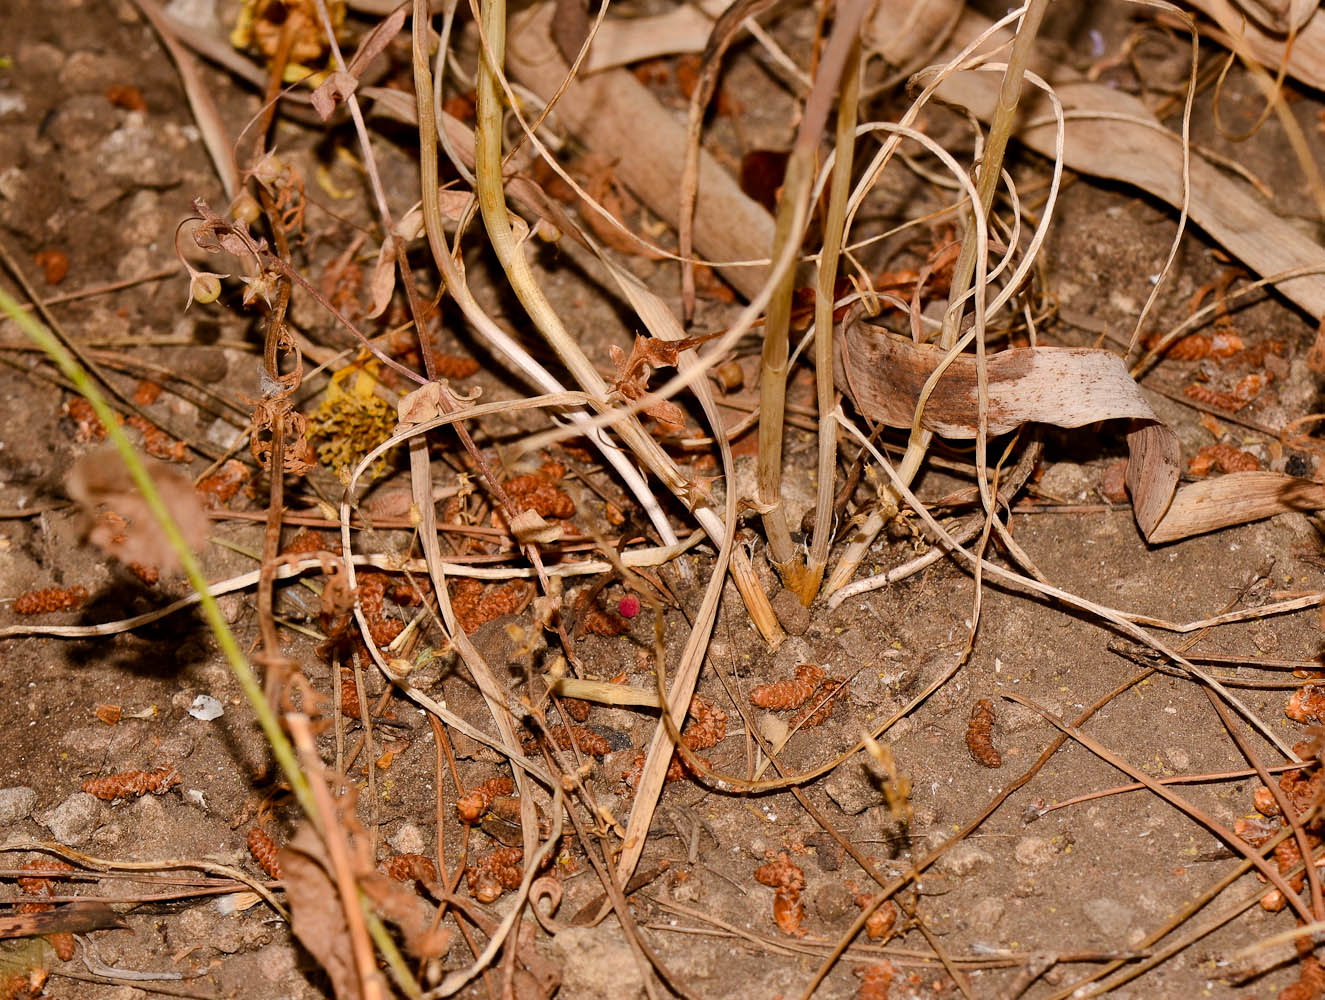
x=1112 y=918
x=407 y=840
x=984 y=915
x=832 y=901
x=73 y=820
x=1034 y=851
x=596 y=963
x=963 y=858
x=853 y=788
x=16 y=803
x=794 y=616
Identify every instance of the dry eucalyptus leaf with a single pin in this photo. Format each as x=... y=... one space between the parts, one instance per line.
x=884 y=374
x=99 y=482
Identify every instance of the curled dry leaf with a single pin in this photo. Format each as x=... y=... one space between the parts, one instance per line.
x=99 y=479
x=885 y=373
x=980 y=734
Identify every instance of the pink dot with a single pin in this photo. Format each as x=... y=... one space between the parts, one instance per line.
x=629 y=606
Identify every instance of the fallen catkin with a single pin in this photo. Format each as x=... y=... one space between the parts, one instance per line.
x=264 y=851
x=48 y=599
x=494 y=873
x=131 y=784
x=783 y=695
x=980 y=734
x=473 y=806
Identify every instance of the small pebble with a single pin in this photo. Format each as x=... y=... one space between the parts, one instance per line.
x=16 y=803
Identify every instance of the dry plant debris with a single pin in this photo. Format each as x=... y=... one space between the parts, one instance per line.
x=876 y=980
x=1223 y=457
x=475 y=604
x=417 y=868
x=132 y=784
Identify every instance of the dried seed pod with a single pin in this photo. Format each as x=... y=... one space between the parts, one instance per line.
x=1209 y=397
x=730 y=376
x=221 y=486
x=131 y=784
x=494 y=873
x=264 y=851
x=472 y=806
x=601 y=621
x=787 y=880
x=542 y=499
x=782 y=695
x=1307 y=705
x=410 y=868
x=48 y=599
x=980 y=734
x=455 y=366
x=88 y=427
x=875 y=980
x=109 y=714
x=818 y=709
x=157 y=442
x=576 y=708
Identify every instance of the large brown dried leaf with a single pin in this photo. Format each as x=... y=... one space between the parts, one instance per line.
x=884 y=374
x=315 y=911
x=99 y=481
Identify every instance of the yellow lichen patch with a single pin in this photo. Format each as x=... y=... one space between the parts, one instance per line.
x=352 y=420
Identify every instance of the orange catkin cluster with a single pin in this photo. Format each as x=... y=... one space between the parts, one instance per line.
x=48 y=599
x=264 y=850
x=787 y=880
x=1223 y=457
x=38 y=885
x=494 y=873
x=980 y=734
x=410 y=868
x=131 y=784
x=472 y=806
x=475 y=605
x=783 y=695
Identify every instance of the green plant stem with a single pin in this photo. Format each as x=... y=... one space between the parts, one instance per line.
x=834 y=226
x=248 y=683
x=991 y=165
x=773 y=370
x=281 y=749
